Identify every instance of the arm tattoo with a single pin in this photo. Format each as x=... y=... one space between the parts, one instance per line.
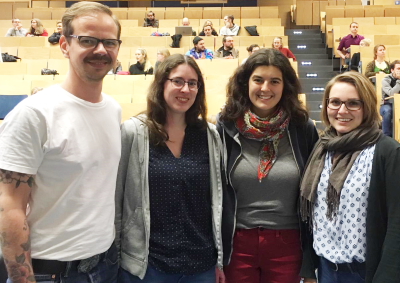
x=20 y=269
x=7 y=177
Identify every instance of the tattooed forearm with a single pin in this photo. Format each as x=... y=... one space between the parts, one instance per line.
x=20 y=268
x=8 y=177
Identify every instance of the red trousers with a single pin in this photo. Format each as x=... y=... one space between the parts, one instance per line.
x=265 y=256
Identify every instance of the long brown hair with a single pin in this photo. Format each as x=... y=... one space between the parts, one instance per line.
x=238 y=87
x=156 y=105
x=39 y=27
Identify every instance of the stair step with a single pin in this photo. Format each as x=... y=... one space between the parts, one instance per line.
x=314 y=96
x=305 y=45
x=314 y=105
x=315 y=68
x=301 y=32
x=316 y=50
x=314 y=62
x=312 y=56
x=315 y=115
x=316 y=74
x=309 y=87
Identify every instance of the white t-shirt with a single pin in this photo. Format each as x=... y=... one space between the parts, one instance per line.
x=73 y=147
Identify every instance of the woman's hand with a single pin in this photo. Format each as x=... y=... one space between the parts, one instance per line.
x=220 y=276
x=309 y=280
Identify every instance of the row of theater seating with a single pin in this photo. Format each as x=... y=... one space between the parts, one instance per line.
x=161 y=13
x=129 y=91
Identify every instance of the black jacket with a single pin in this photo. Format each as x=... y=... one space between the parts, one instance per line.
x=138 y=69
x=302 y=139
x=54 y=38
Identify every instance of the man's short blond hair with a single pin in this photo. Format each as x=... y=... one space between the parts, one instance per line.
x=84 y=8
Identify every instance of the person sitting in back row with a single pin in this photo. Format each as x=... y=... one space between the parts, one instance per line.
x=227 y=50
x=199 y=51
x=379 y=64
x=143 y=65
x=151 y=20
x=55 y=37
x=208 y=29
x=186 y=23
x=17 y=29
x=353 y=38
x=278 y=45
x=390 y=87
x=230 y=28
x=37 y=29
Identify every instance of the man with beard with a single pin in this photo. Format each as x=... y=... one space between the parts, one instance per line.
x=200 y=51
x=227 y=50
x=59 y=155
x=151 y=20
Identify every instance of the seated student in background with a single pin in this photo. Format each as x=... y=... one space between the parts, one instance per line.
x=151 y=20
x=116 y=68
x=186 y=23
x=251 y=49
x=199 y=51
x=37 y=29
x=208 y=29
x=378 y=65
x=230 y=27
x=355 y=59
x=278 y=45
x=390 y=87
x=162 y=54
x=353 y=38
x=227 y=50
x=17 y=29
x=55 y=37
x=143 y=65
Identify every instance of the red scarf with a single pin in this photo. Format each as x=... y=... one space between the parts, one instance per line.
x=267 y=130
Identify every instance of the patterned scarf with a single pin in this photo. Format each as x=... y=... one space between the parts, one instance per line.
x=347 y=148
x=267 y=130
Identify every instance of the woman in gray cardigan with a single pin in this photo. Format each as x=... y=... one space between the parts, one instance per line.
x=169 y=189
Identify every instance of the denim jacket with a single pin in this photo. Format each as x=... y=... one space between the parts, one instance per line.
x=132 y=217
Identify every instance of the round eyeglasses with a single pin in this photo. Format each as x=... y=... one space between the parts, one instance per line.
x=351 y=105
x=180 y=83
x=92 y=42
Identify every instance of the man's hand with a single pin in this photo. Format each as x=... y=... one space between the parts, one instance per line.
x=19 y=26
x=220 y=276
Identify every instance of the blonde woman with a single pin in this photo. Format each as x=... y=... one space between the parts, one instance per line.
x=162 y=54
x=37 y=29
x=143 y=65
x=379 y=64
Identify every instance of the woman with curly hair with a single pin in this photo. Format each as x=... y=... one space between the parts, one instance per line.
x=169 y=188
x=37 y=29
x=267 y=137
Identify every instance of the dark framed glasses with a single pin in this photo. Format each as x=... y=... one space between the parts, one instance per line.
x=351 y=105
x=180 y=83
x=92 y=42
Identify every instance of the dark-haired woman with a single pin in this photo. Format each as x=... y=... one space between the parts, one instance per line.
x=350 y=189
x=169 y=189
x=267 y=137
